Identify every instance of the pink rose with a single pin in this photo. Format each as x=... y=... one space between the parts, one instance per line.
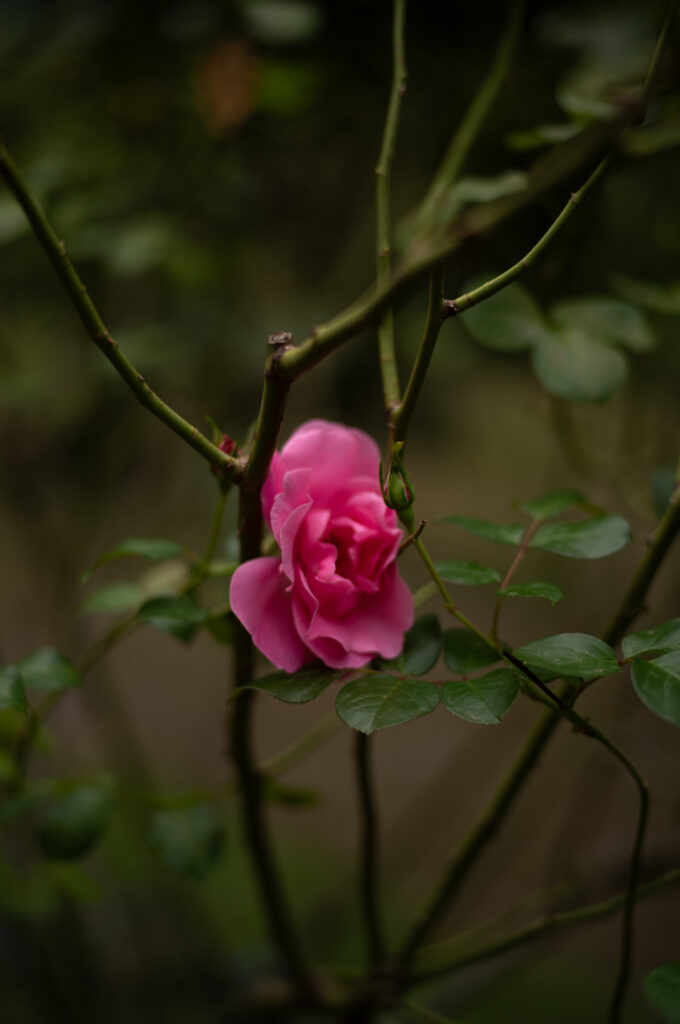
x=335 y=593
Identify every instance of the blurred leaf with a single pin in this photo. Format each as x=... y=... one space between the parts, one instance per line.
x=74 y=819
x=179 y=616
x=588 y=538
x=122 y=596
x=657 y=297
x=509 y=321
x=298 y=688
x=468 y=574
x=281 y=22
x=570 y=654
x=661 y=638
x=542 y=135
x=153 y=549
x=378 y=702
x=289 y=796
x=662 y=989
x=464 y=652
x=610 y=321
x=537 y=588
x=485 y=190
x=657 y=684
x=12 y=694
x=47 y=670
x=422 y=647
x=571 y=365
x=662 y=485
x=500 y=533
x=483 y=701
x=547 y=506
x=189 y=838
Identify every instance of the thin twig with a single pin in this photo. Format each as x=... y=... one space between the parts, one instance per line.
x=388 y=363
x=536 y=929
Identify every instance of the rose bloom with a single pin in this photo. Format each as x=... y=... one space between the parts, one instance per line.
x=335 y=592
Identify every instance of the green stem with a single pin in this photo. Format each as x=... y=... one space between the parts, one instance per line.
x=401 y=416
x=424 y=1013
x=300 y=749
x=94 y=325
x=473 y=121
x=489 y=288
x=388 y=364
x=523 y=548
x=543 y=926
x=480 y=219
x=369 y=884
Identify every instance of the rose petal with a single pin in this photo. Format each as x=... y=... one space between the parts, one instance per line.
x=260 y=600
x=374 y=626
x=335 y=453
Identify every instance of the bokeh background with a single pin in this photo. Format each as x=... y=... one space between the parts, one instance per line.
x=210 y=166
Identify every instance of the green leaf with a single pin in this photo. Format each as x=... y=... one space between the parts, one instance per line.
x=189 y=838
x=377 y=702
x=570 y=654
x=657 y=684
x=606 y=320
x=509 y=321
x=422 y=647
x=537 y=588
x=552 y=504
x=179 y=616
x=590 y=538
x=572 y=366
x=298 y=688
x=483 y=701
x=500 y=533
x=464 y=652
x=47 y=670
x=74 y=819
x=468 y=574
x=662 y=989
x=665 y=637
x=12 y=694
x=153 y=549
x=121 y=596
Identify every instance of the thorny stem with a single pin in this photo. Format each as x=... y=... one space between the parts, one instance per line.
x=94 y=325
x=473 y=121
x=369 y=885
x=485 y=291
x=388 y=364
x=401 y=415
